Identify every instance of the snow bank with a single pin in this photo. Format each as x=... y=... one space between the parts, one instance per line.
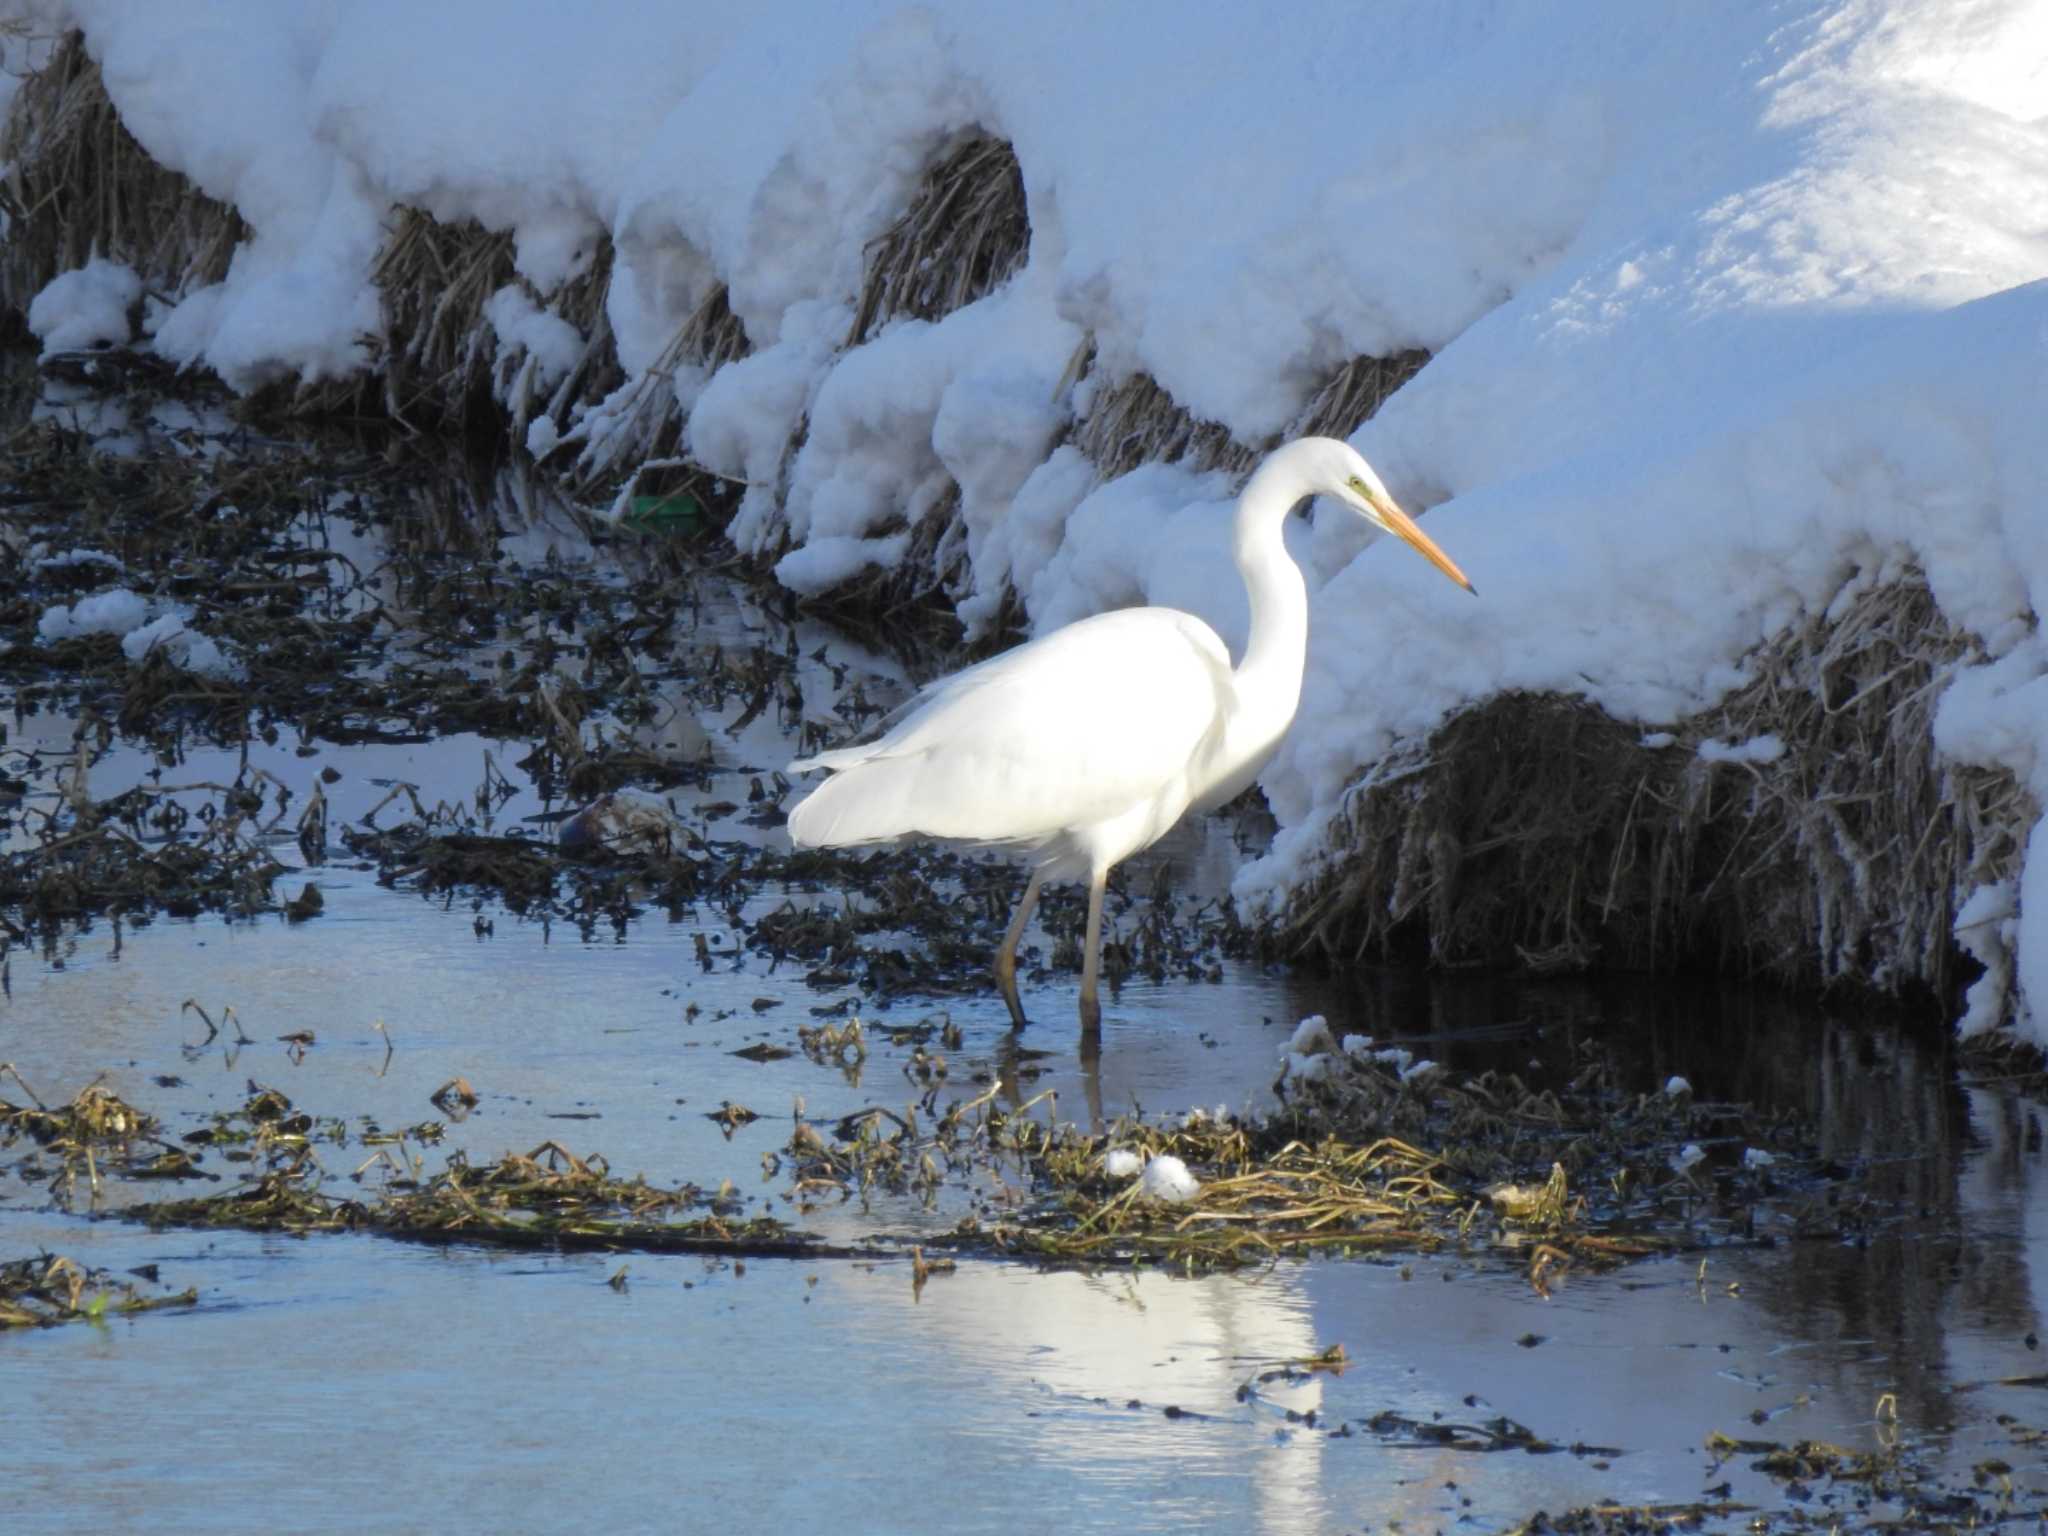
x=1729 y=307
x=1639 y=584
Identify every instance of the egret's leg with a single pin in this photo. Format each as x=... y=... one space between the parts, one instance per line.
x=1091 y=960
x=1006 y=957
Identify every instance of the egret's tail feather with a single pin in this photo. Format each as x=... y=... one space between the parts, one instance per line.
x=872 y=801
x=837 y=757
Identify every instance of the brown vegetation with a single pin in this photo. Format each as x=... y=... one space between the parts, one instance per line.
x=1538 y=830
x=79 y=186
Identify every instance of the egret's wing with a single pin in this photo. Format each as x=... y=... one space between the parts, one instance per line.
x=1063 y=732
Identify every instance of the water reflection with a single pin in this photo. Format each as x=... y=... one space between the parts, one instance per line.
x=1127 y=1386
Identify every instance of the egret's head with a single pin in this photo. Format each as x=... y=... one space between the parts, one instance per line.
x=1351 y=480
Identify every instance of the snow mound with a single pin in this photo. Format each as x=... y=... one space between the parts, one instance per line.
x=191 y=650
x=88 y=307
x=1167 y=1178
x=143 y=626
x=113 y=612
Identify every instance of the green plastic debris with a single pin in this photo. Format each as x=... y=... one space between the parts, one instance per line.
x=677 y=513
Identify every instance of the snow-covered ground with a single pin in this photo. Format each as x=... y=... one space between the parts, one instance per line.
x=1733 y=305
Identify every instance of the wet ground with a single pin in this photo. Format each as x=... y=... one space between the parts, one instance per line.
x=1881 y=1306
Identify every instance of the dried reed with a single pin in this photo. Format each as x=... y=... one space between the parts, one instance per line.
x=78 y=185
x=1538 y=829
x=965 y=232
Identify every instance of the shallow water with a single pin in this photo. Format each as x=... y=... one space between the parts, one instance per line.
x=353 y=1383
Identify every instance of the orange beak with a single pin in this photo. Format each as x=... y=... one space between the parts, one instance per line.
x=1404 y=525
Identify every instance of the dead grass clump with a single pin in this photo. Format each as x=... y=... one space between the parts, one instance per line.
x=1354 y=393
x=1906 y=1472
x=547 y=1198
x=521 y=872
x=97 y=1133
x=79 y=185
x=1137 y=422
x=95 y=1117
x=440 y=360
x=438 y=348
x=1540 y=830
x=640 y=427
x=1484 y=842
x=1130 y=423
x=1852 y=851
x=49 y=1289
x=1372 y=1151
x=103 y=869
x=581 y=301
x=551 y=1198
x=286 y=1199
x=967 y=229
x=713 y=335
x=1298 y=1199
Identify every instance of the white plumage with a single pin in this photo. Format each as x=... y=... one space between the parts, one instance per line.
x=1013 y=751
x=1083 y=746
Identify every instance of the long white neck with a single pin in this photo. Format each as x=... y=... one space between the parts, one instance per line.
x=1268 y=679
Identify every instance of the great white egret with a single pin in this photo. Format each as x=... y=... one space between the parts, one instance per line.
x=1076 y=750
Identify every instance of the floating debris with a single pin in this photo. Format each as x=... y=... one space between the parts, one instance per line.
x=49 y=1290
x=544 y=1198
x=454 y=1098
x=97 y=1134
